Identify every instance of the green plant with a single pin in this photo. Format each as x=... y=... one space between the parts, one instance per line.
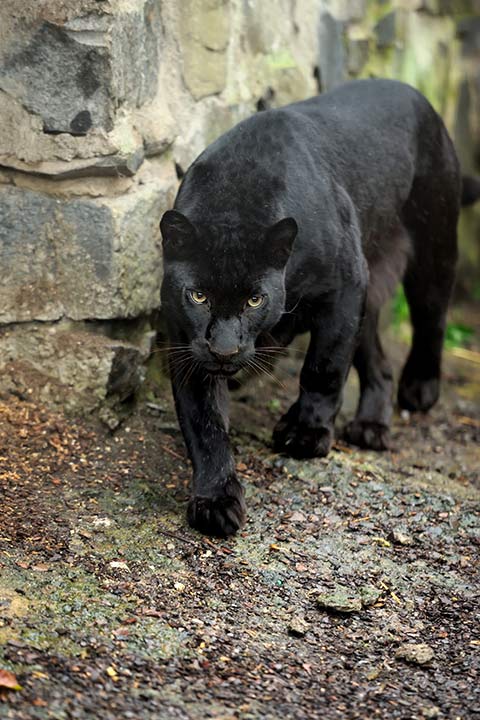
x=400 y=309
x=457 y=335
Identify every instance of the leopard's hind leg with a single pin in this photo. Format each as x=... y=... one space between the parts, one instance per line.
x=428 y=285
x=370 y=427
x=431 y=216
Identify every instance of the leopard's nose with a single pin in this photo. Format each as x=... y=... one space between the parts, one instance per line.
x=224 y=354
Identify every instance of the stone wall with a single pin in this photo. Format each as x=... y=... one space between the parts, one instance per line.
x=104 y=103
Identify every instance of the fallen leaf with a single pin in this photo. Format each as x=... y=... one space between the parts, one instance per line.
x=39 y=702
x=382 y=542
x=39 y=674
x=121 y=632
x=8 y=680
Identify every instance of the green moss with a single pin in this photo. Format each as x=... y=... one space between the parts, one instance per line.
x=376 y=10
x=381 y=63
x=154 y=639
x=281 y=60
x=69 y=611
x=63 y=608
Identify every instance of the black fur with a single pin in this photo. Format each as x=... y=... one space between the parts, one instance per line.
x=319 y=208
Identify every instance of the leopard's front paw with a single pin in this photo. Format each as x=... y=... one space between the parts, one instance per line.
x=300 y=441
x=367 y=434
x=220 y=515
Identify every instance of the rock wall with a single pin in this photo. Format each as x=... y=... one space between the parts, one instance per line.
x=104 y=103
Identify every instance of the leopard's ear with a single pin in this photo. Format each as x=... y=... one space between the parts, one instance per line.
x=280 y=238
x=177 y=232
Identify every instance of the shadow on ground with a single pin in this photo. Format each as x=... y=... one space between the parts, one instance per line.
x=351 y=593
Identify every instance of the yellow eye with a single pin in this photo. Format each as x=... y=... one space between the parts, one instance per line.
x=255 y=301
x=198 y=297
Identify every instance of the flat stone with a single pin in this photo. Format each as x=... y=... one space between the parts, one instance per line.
x=66 y=82
x=369 y=595
x=340 y=600
x=70 y=84
x=82 y=258
x=23 y=143
x=298 y=626
x=71 y=187
x=115 y=165
x=400 y=537
x=350 y=10
x=204 y=32
x=431 y=711
x=418 y=654
x=297 y=517
x=66 y=366
x=343 y=599
x=75 y=74
x=12 y=604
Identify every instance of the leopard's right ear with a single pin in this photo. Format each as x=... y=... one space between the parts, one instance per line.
x=177 y=232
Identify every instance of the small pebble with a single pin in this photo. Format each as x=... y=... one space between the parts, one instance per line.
x=298 y=627
x=400 y=537
x=340 y=600
x=418 y=654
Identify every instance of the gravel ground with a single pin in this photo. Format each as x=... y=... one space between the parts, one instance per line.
x=351 y=593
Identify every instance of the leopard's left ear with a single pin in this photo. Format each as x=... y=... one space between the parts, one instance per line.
x=178 y=232
x=280 y=238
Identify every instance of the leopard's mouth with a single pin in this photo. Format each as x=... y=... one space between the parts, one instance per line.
x=221 y=370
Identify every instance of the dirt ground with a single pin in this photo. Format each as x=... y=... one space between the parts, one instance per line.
x=353 y=591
